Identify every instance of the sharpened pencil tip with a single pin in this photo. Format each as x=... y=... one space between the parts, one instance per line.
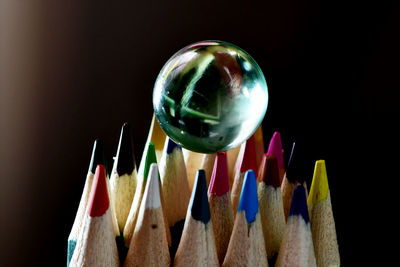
x=98 y=199
x=199 y=200
x=151 y=195
x=293 y=168
x=248 y=197
x=319 y=186
x=249 y=160
x=171 y=146
x=299 y=203
x=219 y=184
x=150 y=158
x=275 y=148
x=125 y=160
x=269 y=172
x=98 y=156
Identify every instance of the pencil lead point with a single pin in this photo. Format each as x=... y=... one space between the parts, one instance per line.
x=150 y=158
x=319 y=186
x=299 y=203
x=219 y=184
x=269 y=172
x=98 y=199
x=275 y=148
x=249 y=159
x=292 y=170
x=171 y=146
x=125 y=160
x=199 y=200
x=248 y=197
x=98 y=156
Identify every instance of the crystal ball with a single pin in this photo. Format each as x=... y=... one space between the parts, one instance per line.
x=210 y=96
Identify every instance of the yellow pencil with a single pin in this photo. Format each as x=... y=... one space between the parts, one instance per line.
x=321 y=217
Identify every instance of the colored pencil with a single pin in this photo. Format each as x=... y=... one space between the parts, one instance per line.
x=207 y=164
x=220 y=205
x=98 y=157
x=231 y=158
x=321 y=216
x=197 y=246
x=96 y=244
x=123 y=177
x=157 y=137
x=175 y=190
x=149 y=246
x=275 y=148
x=271 y=206
x=137 y=199
x=246 y=161
x=246 y=246
x=289 y=182
x=259 y=144
x=192 y=161
x=297 y=245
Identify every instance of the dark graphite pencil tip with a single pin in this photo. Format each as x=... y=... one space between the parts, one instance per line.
x=98 y=156
x=199 y=200
x=248 y=197
x=269 y=172
x=299 y=203
x=171 y=146
x=125 y=160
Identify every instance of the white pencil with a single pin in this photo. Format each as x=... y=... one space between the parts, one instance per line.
x=149 y=246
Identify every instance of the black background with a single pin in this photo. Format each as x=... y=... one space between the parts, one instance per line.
x=74 y=71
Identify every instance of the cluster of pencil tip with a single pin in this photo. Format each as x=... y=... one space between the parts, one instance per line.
x=179 y=208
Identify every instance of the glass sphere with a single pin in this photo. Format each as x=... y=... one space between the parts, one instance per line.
x=210 y=96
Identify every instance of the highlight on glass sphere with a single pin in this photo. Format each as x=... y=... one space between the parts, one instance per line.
x=210 y=96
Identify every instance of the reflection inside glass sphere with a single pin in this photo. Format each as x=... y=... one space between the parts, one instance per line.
x=210 y=96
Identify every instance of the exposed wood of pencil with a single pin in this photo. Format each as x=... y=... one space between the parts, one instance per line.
x=175 y=187
x=193 y=162
x=246 y=246
x=96 y=244
x=246 y=161
x=123 y=178
x=297 y=246
x=97 y=157
x=259 y=144
x=157 y=137
x=137 y=199
x=197 y=246
x=271 y=206
x=231 y=157
x=149 y=246
x=321 y=217
x=220 y=205
x=207 y=164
